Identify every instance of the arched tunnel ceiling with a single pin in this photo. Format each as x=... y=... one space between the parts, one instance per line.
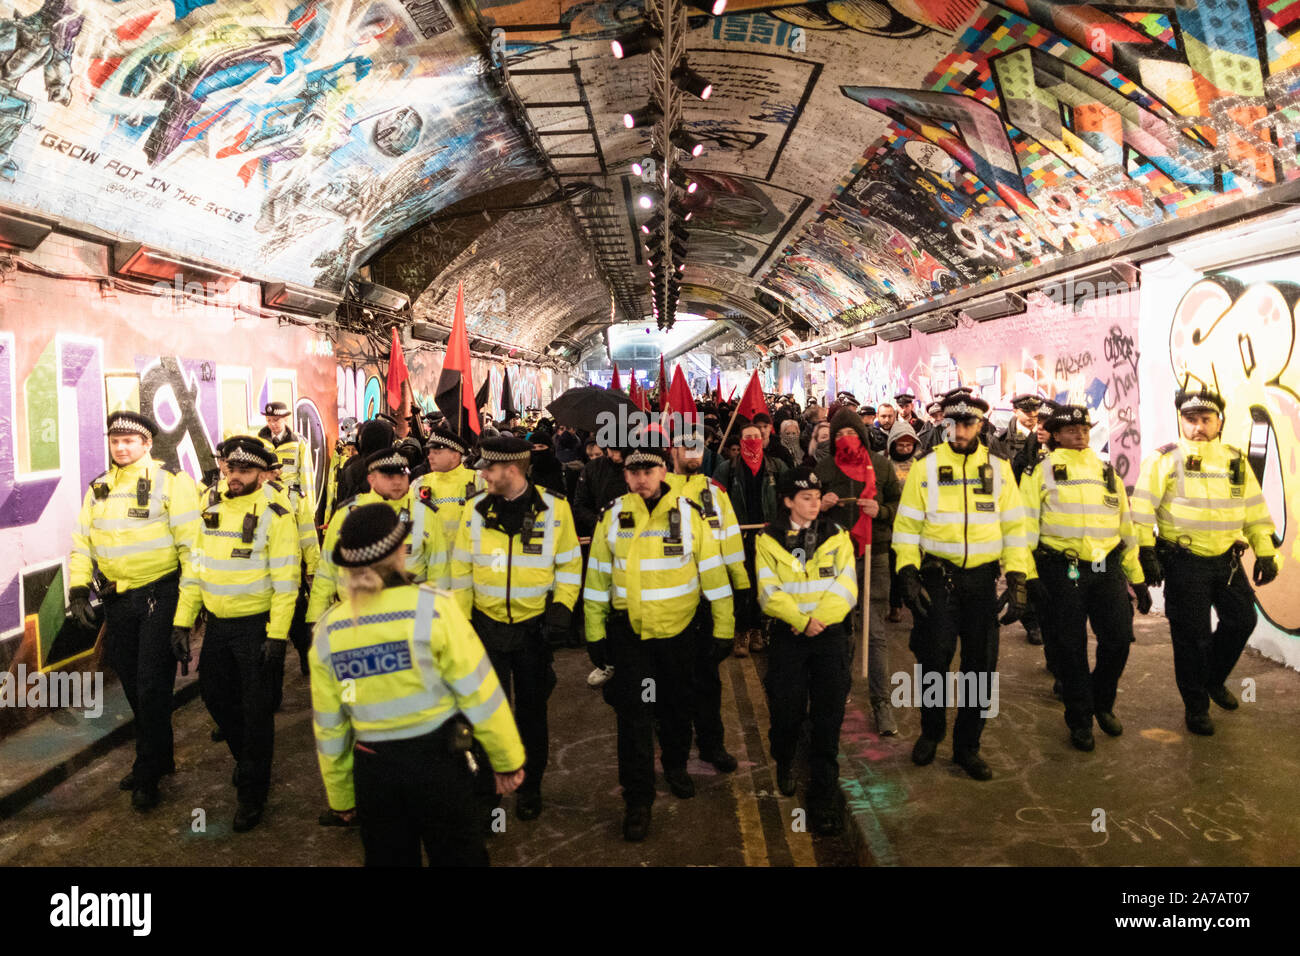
x=863 y=156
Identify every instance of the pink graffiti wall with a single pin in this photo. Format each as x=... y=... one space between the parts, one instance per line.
x=1086 y=356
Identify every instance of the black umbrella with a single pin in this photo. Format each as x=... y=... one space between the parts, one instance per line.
x=590 y=409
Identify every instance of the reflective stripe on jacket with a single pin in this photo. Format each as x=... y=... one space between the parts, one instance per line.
x=721 y=517
x=795 y=588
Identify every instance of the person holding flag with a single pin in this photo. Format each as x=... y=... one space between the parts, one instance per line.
x=852 y=472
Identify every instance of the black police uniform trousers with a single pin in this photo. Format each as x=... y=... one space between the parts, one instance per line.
x=652 y=683
x=137 y=646
x=706 y=700
x=809 y=675
x=522 y=657
x=963 y=604
x=1193 y=584
x=236 y=688
x=1100 y=598
x=300 y=636
x=417 y=792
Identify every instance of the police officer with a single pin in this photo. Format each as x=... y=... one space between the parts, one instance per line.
x=959 y=516
x=1195 y=500
x=291 y=451
x=653 y=556
x=808 y=582
x=1086 y=554
x=448 y=483
x=1023 y=424
x=516 y=570
x=688 y=480
x=135 y=539
x=344 y=450
x=427 y=549
x=398 y=679
x=246 y=577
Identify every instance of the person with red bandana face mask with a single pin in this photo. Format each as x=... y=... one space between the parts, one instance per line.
x=750 y=481
x=854 y=471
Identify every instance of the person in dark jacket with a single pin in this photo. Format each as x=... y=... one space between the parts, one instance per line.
x=772 y=447
x=600 y=483
x=750 y=481
x=372 y=436
x=902 y=451
x=843 y=475
x=1023 y=424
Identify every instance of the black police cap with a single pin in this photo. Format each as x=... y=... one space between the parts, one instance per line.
x=132 y=423
x=370 y=533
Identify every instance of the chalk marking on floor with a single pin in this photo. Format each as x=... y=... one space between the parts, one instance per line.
x=753 y=840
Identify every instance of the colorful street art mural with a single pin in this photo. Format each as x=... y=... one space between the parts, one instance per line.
x=70 y=351
x=1050 y=128
x=287 y=140
x=1090 y=357
x=1237 y=330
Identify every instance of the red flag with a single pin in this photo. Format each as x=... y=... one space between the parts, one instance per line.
x=637 y=396
x=455 y=395
x=731 y=393
x=751 y=403
x=662 y=386
x=717 y=389
x=680 y=399
x=397 y=374
x=616 y=384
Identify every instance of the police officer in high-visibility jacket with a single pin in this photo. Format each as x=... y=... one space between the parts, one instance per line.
x=135 y=538
x=1086 y=554
x=448 y=482
x=516 y=570
x=292 y=452
x=653 y=557
x=715 y=505
x=400 y=685
x=808 y=583
x=246 y=576
x=427 y=548
x=1195 y=501
x=959 y=516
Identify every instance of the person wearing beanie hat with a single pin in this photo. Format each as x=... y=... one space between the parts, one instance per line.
x=808 y=585
x=401 y=688
x=855 y=473
x=1196 y=504
x=135 y=543
x=449 y=482
x=1085 y=553
x=247 y=582
x=388 y=477
x=516 y=570
x=654 y=558
x=687 y=478
x=959 y=520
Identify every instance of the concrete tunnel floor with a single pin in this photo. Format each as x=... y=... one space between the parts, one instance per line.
x=1169 y=798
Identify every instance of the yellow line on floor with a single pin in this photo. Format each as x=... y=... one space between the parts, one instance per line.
x=742 y=784
x=800 y=844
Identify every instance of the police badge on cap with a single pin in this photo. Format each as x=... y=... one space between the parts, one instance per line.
x=1064 y=415
x=797 y=480
x=446 y=438
x=243 y=451
x=1189 y=401
x=962 y=406
x=276 y=409
x=388 y=460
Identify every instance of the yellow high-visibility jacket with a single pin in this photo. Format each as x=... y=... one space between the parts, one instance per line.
x=1204 y=494
x=1074 y=501
x=296 y=470
x=427 y=553
x=138 y=523
x=247 y=562
x=964 y=509
x=337 y=461
x=449 y=490
x=796 y=587
x=721 y=517
x=505 y=578
x=304 y=517
x=397 y=666
x=637 y=565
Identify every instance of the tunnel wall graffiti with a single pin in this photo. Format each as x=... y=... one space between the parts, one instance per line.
x=70 y=351
x=286 y=139
x=1237 y=329
x=1089 y=356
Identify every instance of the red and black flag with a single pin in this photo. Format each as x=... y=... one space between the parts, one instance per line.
x=455 y=395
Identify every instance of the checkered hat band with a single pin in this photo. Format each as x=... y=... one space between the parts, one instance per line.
x=642 y=458
x=126 y=425
x=447 y=443
x=1198 y=404
x=392 y=461
x=489 y=455
x=805 y=484
x=241 y=457
x=961 y=408
x=379 y=549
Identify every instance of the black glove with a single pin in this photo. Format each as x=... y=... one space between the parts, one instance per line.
x=1143 y=594
x=1038 y=594
x=181 y=647
x=79 y=606
x=1017 y=597
x=914 y=596
x=1151 y=569
x=558 y=620
x=721 y=650
x=596 y=651
x=273 y=652
x=1265 y=570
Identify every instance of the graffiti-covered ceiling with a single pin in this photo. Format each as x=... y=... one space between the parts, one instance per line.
x=863 y=156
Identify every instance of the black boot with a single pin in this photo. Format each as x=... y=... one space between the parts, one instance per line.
x=722 y=761
x=1108 y=722
x=1082 y=738
x=923 y=751
x=1224 y=697
x=785 y=779
x=974 y=765
x=636 y=824
x=1200 y=724
x=680 y=783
